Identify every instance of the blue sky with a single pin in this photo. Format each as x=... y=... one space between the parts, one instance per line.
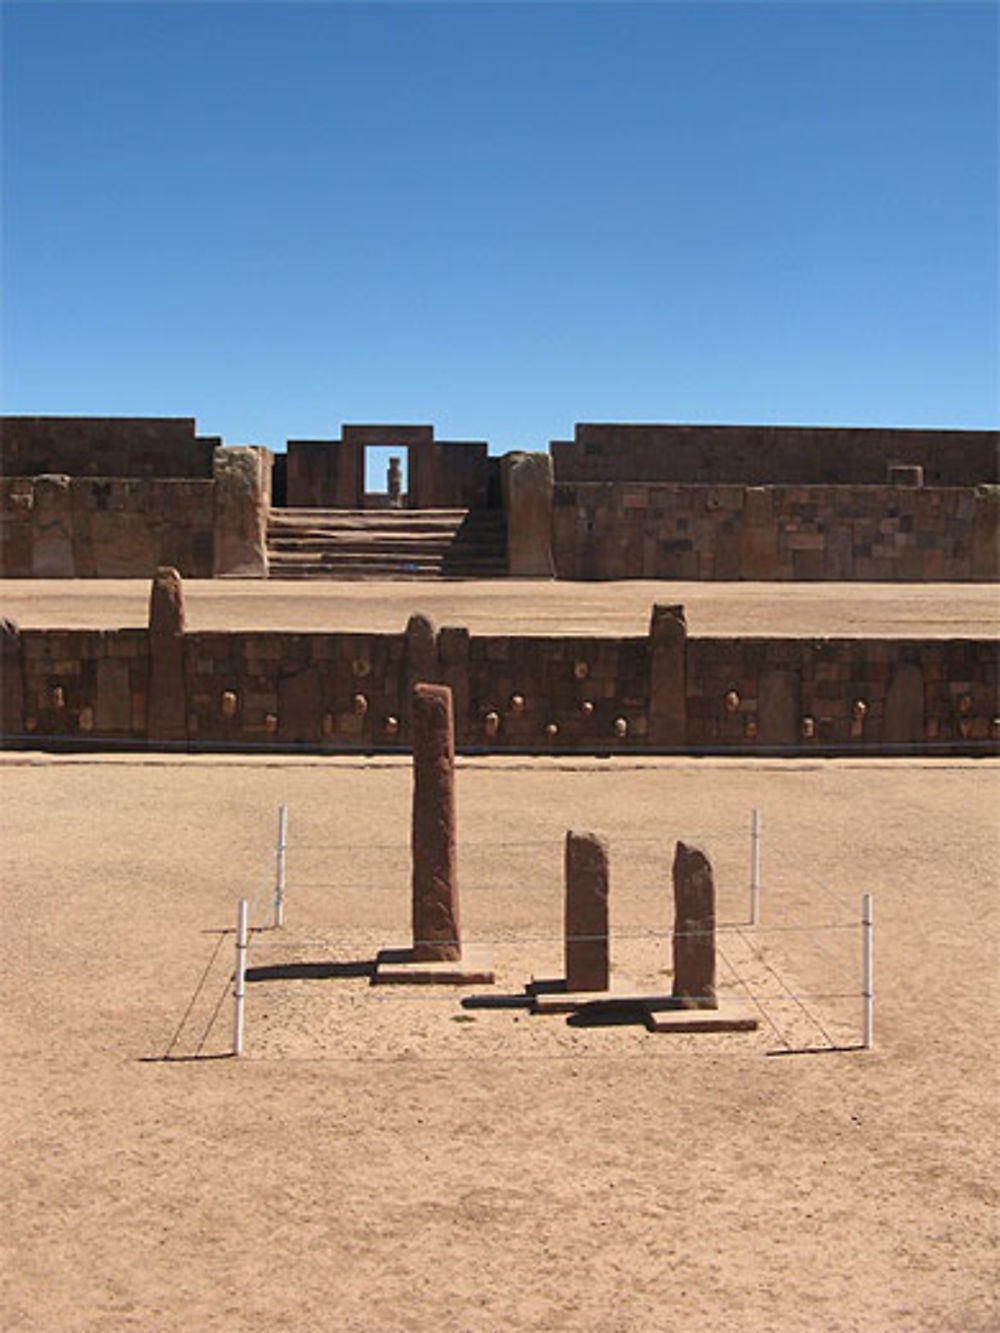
x=501 y=218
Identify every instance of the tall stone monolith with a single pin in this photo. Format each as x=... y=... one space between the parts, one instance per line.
x=586 y=872
x=436 y=930
x=166 y=708
x=694 y=929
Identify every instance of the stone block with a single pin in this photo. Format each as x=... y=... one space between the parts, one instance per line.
x=778 y=707
x=694 y=928
x=586 y=912
x=52 y=529
x=903 y=713
x=528 y=491
x=240 y=512
x=113 y=713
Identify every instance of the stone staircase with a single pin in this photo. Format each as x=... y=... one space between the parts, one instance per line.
x=386 y=543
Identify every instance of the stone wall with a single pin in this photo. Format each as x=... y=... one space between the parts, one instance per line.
x=880 y=533
x=774 y=455
x=55 y=526
x=105 y=447
x=511 y=692
x=441 y=474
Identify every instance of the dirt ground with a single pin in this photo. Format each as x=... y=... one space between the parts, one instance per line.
x=395 y=1160
x=519 y=606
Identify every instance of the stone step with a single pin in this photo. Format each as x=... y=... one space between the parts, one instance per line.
x=323 y=543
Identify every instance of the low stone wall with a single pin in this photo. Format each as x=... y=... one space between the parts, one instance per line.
x=877 y=533
x=511 y=692
x=56 y=526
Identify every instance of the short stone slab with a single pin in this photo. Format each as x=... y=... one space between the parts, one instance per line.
x=398 y=967
x=731 y=1016
x=552 y=997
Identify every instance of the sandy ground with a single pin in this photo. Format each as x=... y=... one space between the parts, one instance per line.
x=398 y=1161
x=514 y=606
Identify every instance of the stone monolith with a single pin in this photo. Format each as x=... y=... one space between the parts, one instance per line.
x=586 y=873
x=436 y=932
x=166 y=710
x=694 y=929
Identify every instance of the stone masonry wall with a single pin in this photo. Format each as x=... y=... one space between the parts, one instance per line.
x=773 y=455
x=537 y=694
x=105 y=447
x=881 y=533
x=55 y=526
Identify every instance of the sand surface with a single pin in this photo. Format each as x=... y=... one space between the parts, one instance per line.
x=406 y=1161
x=514 y=606
x=395 y=1161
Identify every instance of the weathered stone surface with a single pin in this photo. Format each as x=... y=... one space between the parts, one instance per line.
x=694 y=928
x=903 y=718
x=11 y=678
x=420 y=659
x=114 y=697
x=528 y=486
x=52 y=529
x=299 y=706
x=667 y=676
x=778 y=708
x=453 y=657
x=586 y=918
x=759 y=543
x=240 y=512
x=436 y=929
x=166 y=715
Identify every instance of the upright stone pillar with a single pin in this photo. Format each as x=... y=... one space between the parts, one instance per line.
x=166 y=706
x=694 y=929
x=586 y=870
x=667 y=676
x=528 y=490
x=436 y=931
x=240 y=502
x=420 y=660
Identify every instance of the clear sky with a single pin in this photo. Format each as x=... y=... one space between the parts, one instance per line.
x=501 y=218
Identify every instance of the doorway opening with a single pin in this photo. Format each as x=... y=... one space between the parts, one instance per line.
x=386 y=476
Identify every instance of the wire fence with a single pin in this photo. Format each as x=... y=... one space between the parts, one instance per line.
x=762 y=961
